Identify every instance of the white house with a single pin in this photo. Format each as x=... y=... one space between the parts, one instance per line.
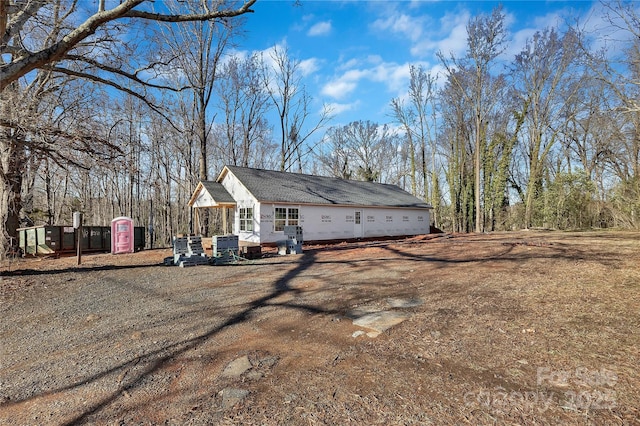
x=264 y=201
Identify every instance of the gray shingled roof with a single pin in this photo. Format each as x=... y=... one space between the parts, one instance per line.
x=218 y=192
x=273 y=186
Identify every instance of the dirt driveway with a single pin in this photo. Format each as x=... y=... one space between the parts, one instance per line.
x=505 y=328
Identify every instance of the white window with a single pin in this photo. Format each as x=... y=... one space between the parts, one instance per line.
x=246 y=219
x=285 y=216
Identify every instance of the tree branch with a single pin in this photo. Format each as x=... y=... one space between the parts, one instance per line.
x=228 y=13
x=16 y=69
x=116 y=86
x=20 y=18
x=131 y=76
x=30 y=61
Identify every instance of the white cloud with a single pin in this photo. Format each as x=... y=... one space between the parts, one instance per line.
x=235 y=54
x=319 y=29
x=523 y=35
x=510 y=19
x=438 y=71
x=340 y=87
x=391 y=75
x=550 y=20
x=518 y=41
x=350 y=63
x=374 y=59
x=268 y=53
x=451 y=39
x=399 y=23
x=592 y=22
x=338 y=108
x=306 y=66
x=610 y=30
x=309 y=66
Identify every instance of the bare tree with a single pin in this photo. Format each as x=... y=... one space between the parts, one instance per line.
x=620 y=71
x=417 y=118
x=548 y=71
x=292 y=103
x=333 y=154
x=454 y=136
x=592 y=130
x=617 y=64
x=198 y=47
x=62 y=37
x=360 y=149
x=35 y=118
x=504 y=128
x=243 y=99
x=405 y=116
x=486 y=36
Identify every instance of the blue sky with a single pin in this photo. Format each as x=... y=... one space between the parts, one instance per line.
x=356 y=54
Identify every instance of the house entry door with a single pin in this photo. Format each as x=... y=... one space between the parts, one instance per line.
x=357 y=224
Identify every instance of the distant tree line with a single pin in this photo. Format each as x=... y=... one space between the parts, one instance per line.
x=128 y=118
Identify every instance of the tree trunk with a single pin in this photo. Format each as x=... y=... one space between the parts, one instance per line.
x=203 y=174
x=412 y=165
x=49 y=192
x=532 y=188
x=477 y=167
x=13 y=160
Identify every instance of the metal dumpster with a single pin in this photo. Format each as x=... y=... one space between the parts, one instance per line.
x=52 y=239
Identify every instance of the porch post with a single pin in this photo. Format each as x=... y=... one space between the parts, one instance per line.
x=224 y=220
x=197 y=220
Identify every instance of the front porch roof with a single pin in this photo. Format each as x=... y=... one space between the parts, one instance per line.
x=211 y=195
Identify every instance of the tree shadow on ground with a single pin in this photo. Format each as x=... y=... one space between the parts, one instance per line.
x=78 y=269
x=156 y=359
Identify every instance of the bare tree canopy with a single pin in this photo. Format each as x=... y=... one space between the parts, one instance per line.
x=71 y=28
x=47 y=46
x=292 y=102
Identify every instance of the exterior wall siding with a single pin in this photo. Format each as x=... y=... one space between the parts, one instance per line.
x=334 y=223
x=325 y=222
x=244 y=199
x=204 y=199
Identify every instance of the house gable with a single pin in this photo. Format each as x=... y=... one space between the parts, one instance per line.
x=211 y=194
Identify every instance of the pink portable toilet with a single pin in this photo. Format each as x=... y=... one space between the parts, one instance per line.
x=122 y=235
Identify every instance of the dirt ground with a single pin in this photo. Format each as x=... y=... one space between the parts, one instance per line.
x=505 y=328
